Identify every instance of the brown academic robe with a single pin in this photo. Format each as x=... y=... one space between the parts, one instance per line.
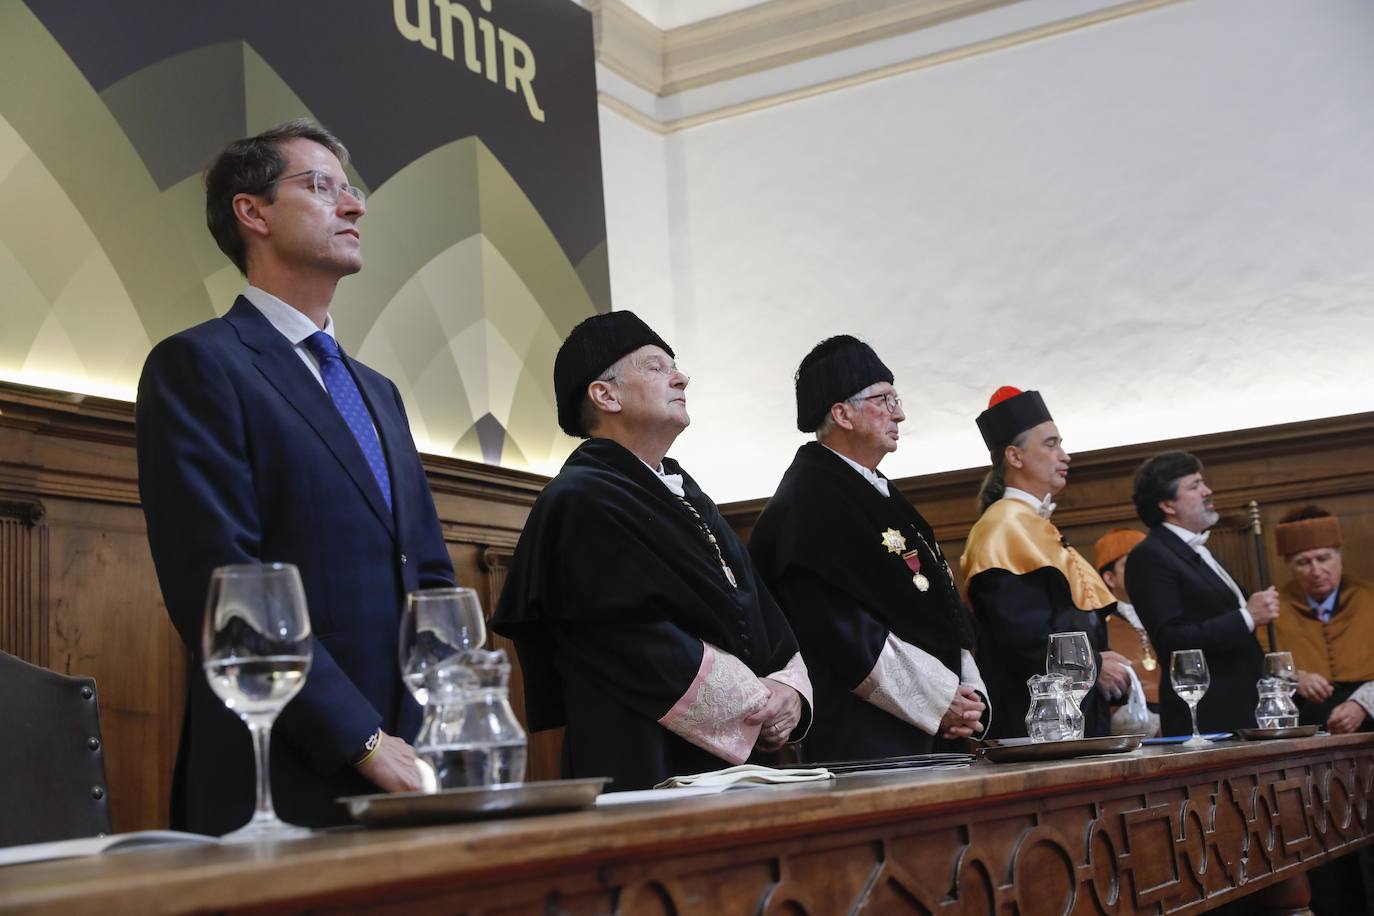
x=1339 y=650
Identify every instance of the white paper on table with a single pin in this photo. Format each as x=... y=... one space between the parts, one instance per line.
x=747 y=773
x=640 y=796
x=95 y=845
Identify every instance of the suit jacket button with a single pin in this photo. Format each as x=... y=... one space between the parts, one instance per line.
x=403 y=560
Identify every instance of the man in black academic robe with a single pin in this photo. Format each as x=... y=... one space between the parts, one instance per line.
x=1023 y=578
x=1187 y=600
x=860 y=575
x=637 y=616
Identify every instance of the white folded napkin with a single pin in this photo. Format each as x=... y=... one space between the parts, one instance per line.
x=746 y=774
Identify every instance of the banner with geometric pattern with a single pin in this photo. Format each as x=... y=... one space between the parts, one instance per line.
x=472 y=126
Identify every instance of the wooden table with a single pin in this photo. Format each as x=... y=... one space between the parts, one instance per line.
x=1160 y=830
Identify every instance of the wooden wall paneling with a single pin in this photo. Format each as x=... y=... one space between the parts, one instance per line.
x=109 y=623
x=24 y=579
x=545 y=757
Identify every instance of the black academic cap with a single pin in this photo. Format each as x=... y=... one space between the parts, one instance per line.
x=836 y=368
x=591 y=348
x=1011 y=412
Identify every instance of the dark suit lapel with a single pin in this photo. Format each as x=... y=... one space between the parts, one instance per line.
x=282 y=367
x=1192 y=560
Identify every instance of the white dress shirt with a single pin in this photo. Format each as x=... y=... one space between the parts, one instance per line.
x=672 y=481
x=879 y=483
x=1044 y=507
x=291 y=324
x=295 y=327
x=1198 y=543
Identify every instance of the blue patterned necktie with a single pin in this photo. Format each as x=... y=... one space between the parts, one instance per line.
x=349 y=401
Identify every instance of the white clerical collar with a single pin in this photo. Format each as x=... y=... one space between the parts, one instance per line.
x=672 y=481
x=290 y=322
x=1044 y=507
x=879 y=483
x=1193 y=539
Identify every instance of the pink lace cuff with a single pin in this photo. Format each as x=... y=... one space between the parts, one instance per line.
x=795 y=676
x=711 y=713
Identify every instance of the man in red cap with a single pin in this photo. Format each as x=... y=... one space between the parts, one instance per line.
x=1023 y=579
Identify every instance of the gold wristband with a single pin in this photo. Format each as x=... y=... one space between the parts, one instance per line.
x=370 y=748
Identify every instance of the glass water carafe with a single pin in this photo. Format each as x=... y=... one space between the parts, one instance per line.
x=1276 y=708
x=470 y=734
x=1052 y=715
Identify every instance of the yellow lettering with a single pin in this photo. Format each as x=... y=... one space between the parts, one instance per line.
x=516 y=58
x=520 y=73
x=450 y=10
x=488 y=47
x=416 y=31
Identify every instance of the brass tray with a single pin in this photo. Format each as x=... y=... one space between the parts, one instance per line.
x=475 y=803
x=1269 y=734
x=1019 y=750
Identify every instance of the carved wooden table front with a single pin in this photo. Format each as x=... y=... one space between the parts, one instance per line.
x=1158 y=831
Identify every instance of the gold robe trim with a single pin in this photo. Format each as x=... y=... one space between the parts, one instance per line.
x=1011 y=535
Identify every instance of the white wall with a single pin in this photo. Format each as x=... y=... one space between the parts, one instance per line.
x=1165 y=223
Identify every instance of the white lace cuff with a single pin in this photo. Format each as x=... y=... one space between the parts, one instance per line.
x=711 y=713
x=910 y=684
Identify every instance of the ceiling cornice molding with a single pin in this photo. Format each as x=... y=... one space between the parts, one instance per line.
x=627 y=43
x=782 y=32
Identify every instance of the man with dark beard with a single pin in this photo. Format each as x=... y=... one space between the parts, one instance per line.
x=636 y=613
x=860 y=575
x=1187 y=600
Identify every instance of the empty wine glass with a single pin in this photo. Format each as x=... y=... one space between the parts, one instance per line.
x=1071 y=655
x=256 y=653
x=1189 y=676
x=436 y=624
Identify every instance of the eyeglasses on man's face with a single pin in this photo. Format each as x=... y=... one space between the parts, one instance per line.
x=324 y=186
x=657 y=366
x=889 y=399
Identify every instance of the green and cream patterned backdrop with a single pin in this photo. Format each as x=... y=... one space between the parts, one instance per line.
x=484 y=238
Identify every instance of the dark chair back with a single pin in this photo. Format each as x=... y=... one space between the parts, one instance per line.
x=52 y=766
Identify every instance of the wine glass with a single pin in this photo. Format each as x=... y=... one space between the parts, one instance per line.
x=437 y=623
x=1189 y=676
x=256 y=653
x=1071 y=655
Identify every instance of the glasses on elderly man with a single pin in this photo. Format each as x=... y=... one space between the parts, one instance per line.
x=325 y=186
x=889 y=399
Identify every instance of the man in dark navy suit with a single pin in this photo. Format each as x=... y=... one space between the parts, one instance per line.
x=259 y=440
x=1187 y=600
